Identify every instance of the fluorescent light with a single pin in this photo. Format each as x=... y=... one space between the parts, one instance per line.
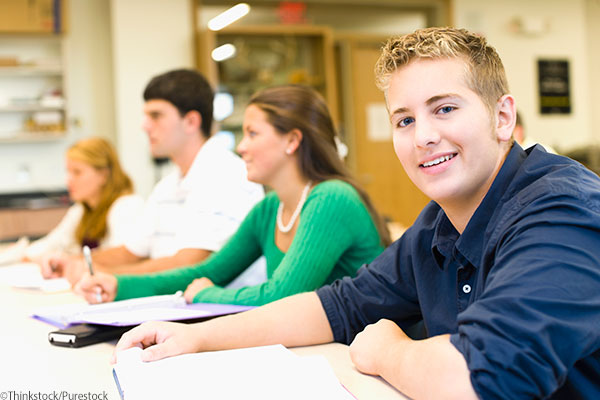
x=222 y=106
x=223 y=52
x=228 y=16
x=225 y=138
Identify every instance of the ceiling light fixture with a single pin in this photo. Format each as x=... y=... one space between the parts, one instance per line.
x=223 y=52
x=228 y=16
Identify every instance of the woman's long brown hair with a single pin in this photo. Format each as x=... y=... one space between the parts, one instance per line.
x=101 y=155
x=299 y=107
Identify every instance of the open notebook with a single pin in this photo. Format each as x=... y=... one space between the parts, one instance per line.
x=265 y=373
x=133 y=311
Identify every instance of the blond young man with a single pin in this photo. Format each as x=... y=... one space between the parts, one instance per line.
x=503 y=266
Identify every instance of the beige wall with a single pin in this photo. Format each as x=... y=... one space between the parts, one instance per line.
x=592 y=40
x=89 y=78
x=565 y=35
x=148 y=37
x=114 y=47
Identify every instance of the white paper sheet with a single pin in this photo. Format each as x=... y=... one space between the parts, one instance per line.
x=266 y=373
x=28 y=276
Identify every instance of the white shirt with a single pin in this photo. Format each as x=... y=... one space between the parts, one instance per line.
x=200 y=210
x=121 y=218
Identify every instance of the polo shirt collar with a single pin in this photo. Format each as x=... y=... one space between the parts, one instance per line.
x=197 y=167
x=470 y=244
x=444 y=238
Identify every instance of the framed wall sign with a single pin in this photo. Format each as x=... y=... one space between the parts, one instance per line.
x=554 y=89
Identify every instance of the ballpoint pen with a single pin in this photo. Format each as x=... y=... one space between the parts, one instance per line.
x=88 y=259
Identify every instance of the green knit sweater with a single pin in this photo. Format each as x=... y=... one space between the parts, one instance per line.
x=335 y=236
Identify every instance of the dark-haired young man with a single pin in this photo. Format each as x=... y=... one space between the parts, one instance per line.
x=195 y=209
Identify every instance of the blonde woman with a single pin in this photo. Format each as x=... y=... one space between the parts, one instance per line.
x=104 y=206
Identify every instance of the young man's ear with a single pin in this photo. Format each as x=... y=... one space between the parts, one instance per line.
x=506 y=117
x=193 y=120
x=294 y=140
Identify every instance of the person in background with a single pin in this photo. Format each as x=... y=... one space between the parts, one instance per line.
x=503 y=266
x=195 y=209
x=588 y=155
x=104 y=210
x=525 y=141
x=317 y=225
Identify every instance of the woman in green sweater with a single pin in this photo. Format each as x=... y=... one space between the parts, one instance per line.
x=316 y=225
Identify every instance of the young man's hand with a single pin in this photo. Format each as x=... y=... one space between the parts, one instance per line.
x=372 y=344
x=159 y=340
x=428 y=368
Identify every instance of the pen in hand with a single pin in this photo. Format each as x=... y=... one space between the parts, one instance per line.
x=88 y=259
x=53 y=266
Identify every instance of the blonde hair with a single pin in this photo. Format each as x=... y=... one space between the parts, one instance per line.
x=101 y=155
x=485 y=73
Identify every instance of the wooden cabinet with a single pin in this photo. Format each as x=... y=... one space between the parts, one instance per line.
x=33 y=16
x=267 y=56
x=15 y=223
x=371 y=148
x=31 y=214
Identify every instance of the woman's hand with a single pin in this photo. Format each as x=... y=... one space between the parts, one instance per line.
x=61 y=265
x=98 y=288
x=195 y=287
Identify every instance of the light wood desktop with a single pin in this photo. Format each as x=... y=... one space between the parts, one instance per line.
x=31 y=364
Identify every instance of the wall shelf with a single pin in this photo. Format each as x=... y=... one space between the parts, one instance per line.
x=33 y=137
x=32 y=103
x=28 y=108
x=28 y=70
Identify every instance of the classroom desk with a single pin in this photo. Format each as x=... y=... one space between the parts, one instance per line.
x=31 y=364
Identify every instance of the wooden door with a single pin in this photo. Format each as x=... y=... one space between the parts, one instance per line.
x=375 y=161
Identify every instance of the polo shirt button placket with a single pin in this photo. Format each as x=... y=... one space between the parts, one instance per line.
x=463 y=287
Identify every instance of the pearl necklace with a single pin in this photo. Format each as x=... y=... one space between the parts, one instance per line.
x=288 y=227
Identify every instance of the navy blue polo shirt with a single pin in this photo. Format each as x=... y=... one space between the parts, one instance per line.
x=518 y=291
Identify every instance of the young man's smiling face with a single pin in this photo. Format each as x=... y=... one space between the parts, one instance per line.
x=444 y=135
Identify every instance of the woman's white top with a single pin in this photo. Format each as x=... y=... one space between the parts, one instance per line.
x=121 y=219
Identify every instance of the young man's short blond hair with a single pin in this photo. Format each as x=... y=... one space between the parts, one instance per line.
x=485 y=73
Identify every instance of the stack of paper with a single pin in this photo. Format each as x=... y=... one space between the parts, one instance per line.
x=28 y=275
x=265 y=373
